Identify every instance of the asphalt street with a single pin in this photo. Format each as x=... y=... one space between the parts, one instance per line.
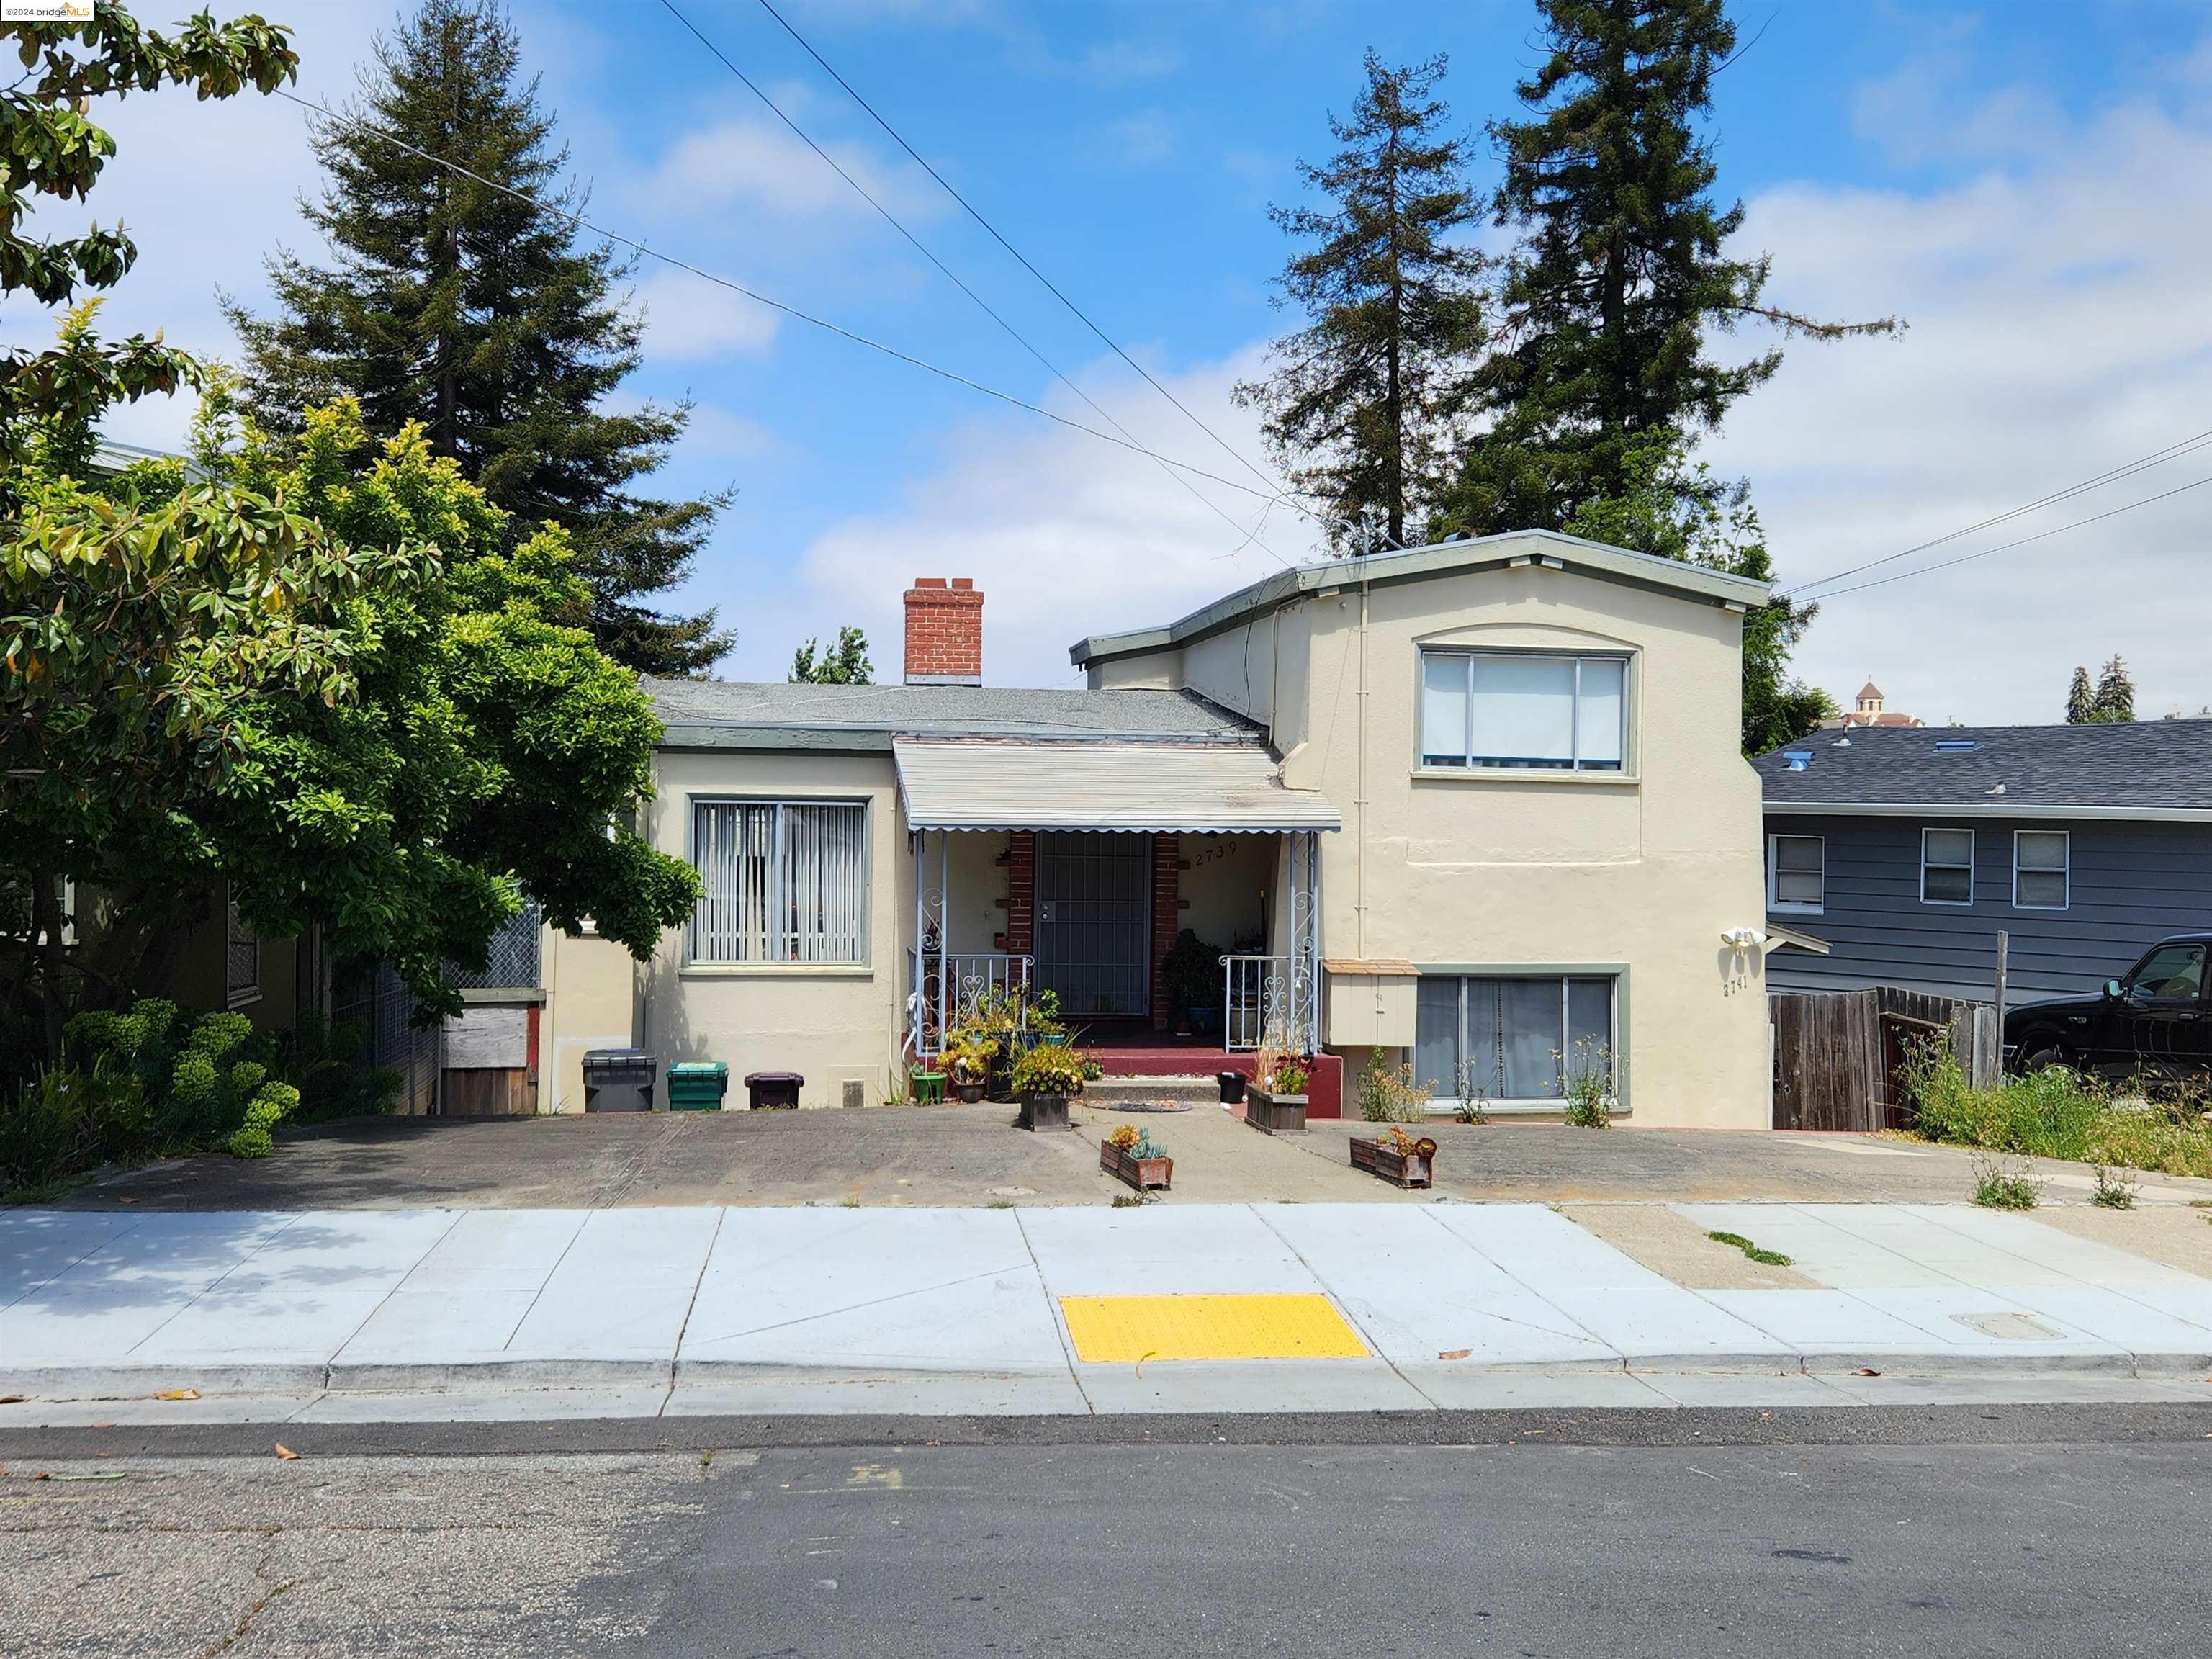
x=1572 y=1538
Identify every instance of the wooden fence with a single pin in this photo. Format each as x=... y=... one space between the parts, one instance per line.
x=1839 y=1055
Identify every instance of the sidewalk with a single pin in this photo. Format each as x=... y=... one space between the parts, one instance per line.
x=985 y=1310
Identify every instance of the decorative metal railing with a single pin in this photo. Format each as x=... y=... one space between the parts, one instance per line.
x=949 y=989
x=1260 y=1002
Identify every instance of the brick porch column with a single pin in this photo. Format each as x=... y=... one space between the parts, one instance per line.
x=1021 y=892
x=1167 y=919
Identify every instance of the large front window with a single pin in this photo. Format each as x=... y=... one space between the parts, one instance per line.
x=1516 y=1038
x=1523 y=712
x=785 y=881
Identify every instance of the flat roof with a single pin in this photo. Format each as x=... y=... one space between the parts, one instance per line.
x=1008 y=784
x=1500 y=551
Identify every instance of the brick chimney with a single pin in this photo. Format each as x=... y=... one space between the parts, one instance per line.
x=944 y=632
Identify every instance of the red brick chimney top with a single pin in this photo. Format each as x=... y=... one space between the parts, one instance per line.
x=944 y=632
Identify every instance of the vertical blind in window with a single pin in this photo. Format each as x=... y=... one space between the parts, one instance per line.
x=784 y=881
x=1543 y=713
x=1517 y=1036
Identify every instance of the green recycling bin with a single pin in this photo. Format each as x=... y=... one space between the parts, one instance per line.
x=697 y=1085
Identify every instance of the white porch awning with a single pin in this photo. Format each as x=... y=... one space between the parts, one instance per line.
x=994 y=785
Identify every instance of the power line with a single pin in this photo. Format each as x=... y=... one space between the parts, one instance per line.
x=1277 y=487
x=1968 y=558
x=1250 y=537
x=2156 y=457
x=758 y=298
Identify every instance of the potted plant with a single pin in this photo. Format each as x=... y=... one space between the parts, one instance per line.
x=1396 y=1157
x=1131 y=1155
x=1046 y=1078
x=1276 y=1100
x=1191 y=972
x=968 y=1059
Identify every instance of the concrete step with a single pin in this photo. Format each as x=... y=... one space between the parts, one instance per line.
x=1108 y=1088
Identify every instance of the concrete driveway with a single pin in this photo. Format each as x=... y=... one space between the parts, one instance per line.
x=968 y=1155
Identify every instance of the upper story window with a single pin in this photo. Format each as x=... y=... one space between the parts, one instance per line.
x=1514 y=711
x=2040 y=861
x=1796 y=874
x=1947 y=866
x=785 y=881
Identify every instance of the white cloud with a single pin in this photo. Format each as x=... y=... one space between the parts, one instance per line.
x=759 y=168
x=2058 y=329
x=1065 y=534
x=688 y=317
x=1144 y=138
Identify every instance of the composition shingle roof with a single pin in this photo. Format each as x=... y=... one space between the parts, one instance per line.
x=2145 y=767
x=759 y=714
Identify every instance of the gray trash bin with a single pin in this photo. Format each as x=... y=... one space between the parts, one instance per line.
x=619 y=1080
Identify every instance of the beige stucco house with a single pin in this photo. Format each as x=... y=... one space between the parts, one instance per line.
x=1478 y=805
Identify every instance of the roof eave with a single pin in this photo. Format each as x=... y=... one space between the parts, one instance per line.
x=1417 y=564
x=1988 y=808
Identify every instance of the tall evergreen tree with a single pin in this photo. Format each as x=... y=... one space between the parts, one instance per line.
x=1361 y=405
x=2115 y=703
x=455 y=304
x=2080 y=701
x=1619 y=275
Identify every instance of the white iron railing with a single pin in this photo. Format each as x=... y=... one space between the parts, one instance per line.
x=1256 y=998
x=960 y=984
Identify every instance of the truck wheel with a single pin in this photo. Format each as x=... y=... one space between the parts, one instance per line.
x=2042 y=1055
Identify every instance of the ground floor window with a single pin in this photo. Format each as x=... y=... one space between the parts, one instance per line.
x=1511 y=1037
x=783 y=881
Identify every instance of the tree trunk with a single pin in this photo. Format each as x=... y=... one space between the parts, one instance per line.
x=51 y=955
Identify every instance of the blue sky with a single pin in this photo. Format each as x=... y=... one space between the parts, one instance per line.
x=2021 y=181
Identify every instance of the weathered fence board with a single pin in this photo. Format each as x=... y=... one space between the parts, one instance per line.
x=1840 y=1056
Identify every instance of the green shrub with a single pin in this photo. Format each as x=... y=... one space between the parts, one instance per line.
x=2055 y=1113
x=249 y=1142
x=66 y=1122
x=2006 y=1184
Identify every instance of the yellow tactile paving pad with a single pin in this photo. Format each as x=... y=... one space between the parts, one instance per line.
x=1127 y=1330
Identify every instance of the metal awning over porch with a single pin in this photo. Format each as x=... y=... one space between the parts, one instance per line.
x=1219 y=789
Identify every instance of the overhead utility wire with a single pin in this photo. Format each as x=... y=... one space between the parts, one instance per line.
x=1248 y=536
x=758 y=298
x=1276 y=487
x=2156 y=457
x=1968 y=558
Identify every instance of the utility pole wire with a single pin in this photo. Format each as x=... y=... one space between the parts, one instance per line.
x=2172 y=451
x=1276 y=486
x=1249 y=537
x=758 y=298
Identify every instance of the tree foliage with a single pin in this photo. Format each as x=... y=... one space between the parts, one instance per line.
x=1363 y=405
x=845 y=663
x=1619 y=277
x=459 y=305
x=51 y=150
x=2080 y=699
x=2114 y=703
x=1678 y=510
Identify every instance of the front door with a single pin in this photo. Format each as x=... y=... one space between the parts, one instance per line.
x=1093 y=921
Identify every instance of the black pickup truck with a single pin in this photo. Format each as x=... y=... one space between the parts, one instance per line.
x=2154 y=1021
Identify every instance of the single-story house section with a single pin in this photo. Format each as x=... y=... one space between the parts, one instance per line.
x=1478 y=807
x=1907 y=851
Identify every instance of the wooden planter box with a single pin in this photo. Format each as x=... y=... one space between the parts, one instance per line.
x=1044 y=1112
x=1142 y=1173
x=1411 y=1168
x=1278 y=1115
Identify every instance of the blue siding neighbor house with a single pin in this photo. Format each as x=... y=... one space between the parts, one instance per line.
x=1907 y=851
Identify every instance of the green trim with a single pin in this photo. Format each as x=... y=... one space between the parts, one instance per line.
x=1624 y=1027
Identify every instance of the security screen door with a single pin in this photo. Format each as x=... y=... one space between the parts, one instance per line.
x=1093 y=920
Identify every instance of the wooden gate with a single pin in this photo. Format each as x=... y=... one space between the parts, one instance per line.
x=1840 y=1056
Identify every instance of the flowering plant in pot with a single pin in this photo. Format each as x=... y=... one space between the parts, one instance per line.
x=968 y=1056
x=1045 y=1078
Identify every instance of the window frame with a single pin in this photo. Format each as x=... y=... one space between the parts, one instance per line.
x=860 y=962
x=237 y=939
x=1618 y=771
x=1972 y=848
x=2064 y=869
x=1775 y=905
x=1615 y=979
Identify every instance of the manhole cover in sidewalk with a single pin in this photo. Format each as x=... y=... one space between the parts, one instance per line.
x=2010 y=1326
x=1130 y=1329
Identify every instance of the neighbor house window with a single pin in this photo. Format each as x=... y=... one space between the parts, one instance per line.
x=1511 y=1038
x=2040 y=859
x=1523 y=712
x=1947 y=866
x=785 y=881
x=1796 y=874
x=241 y=965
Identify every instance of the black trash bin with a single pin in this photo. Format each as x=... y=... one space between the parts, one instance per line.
x=1232 y=1087
x=619 y=1080
x=774 y=1092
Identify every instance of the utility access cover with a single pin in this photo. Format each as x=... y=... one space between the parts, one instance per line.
x=1128 y=1330
x=2010 y=1326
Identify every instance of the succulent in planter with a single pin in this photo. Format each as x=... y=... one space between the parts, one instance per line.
x=1138 y=1143
x=1051 y=1069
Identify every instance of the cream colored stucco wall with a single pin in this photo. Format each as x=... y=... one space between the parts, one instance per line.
x=591 y=1002
x=832 y=1024
x=1637 y=874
